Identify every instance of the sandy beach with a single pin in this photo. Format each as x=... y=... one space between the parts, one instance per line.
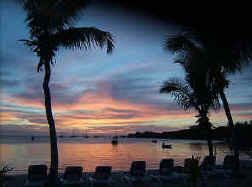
x=18 y=180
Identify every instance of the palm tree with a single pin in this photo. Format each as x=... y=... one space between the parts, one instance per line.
x=203 y=55
x=194 y=94
x=51 y=26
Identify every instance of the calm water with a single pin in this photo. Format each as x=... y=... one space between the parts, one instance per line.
x=19 y=152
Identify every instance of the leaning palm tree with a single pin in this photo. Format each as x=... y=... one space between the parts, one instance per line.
x=205 y=56
x=194 y=94
x=51 y=26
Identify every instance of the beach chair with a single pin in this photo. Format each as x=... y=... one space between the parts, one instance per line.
x=167 y=173
x=37 y=176
x=72 y=176
x=229 y=165
x=138 y=168
x=101 y=177
x=166 y=167
x=208 y=163
x=210 y=169
x=188 y=163
x=229 y=162
x=137 y=173
x=246 y=164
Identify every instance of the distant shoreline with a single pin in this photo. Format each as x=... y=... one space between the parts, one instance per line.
x=222 y=133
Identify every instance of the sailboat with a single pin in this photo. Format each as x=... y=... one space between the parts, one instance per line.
x=114 y=140
x=73 y=134
x=32 y=138
x=85 y=136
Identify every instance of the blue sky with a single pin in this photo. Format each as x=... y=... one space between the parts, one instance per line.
x=99 y=92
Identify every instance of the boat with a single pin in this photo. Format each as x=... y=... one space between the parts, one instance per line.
x=73 y=136
x=114 y=140
x=85 y=136
x=32 y=138
x=166 y=146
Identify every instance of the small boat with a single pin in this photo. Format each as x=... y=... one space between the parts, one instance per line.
x=154 y=141
x=73 y=136
x=166 y=146
x=85 y=136
x=114 y=140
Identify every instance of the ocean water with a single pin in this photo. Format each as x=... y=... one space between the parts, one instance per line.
x=20 y=152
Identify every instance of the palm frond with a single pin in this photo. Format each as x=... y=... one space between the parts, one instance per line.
x=181 y=92
x=40 y=64
x=204 y=91
x=192 y=94
x=29 y=43
x=229 y=54
x=69 y=10
x=181 y=42
x=62 y=9
x=172 y=85
x=84 y=37
x=189 y=51
x=52 y=14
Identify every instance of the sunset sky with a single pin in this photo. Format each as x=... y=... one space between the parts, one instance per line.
x=102 y=93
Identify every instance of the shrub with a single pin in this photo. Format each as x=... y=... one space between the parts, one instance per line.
x=194 y=168
x=3 y=171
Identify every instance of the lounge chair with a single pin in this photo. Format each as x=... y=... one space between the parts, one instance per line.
x=138 y=168
x=229 y=162
x=166 y=167
x=137 y=173
x=229 y=165
x=188 y=163
x=72 y=176
x=37 y=176
x=102 y=176
x=246 y=164
x=208 y=163
x=167 y=173
x=210 y=169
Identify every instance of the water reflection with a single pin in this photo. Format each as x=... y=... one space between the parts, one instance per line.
x=92 y=152
x=196 y=146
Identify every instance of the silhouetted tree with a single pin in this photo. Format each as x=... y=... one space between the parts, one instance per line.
x=205 y=56
x=51 y=26
x=194 y=94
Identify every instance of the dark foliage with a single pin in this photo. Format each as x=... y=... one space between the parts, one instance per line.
x=220 y=133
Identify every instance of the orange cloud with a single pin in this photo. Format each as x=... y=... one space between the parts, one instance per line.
x=98 y=108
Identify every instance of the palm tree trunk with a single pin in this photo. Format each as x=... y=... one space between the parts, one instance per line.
x=231 y=125
x=207 y=128
x=53 y=137
x=210 y=145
